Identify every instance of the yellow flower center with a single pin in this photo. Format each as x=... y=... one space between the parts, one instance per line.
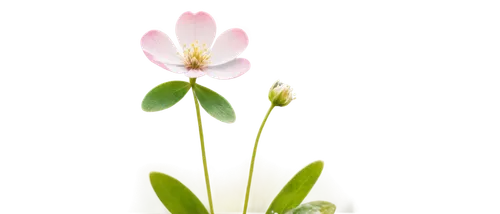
x=196 y=57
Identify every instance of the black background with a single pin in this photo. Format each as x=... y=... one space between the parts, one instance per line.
x=334 y=53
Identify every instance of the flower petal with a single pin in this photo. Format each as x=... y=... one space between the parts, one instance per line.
x=228 y=46
x=180 y=69
x=199 y=26
x=194 y=73
x=174 y=69
x=232 y=69
x=159 y=48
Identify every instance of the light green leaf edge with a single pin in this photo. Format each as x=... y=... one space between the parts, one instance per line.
x=229 y=118
x=176 y=197
x=184 y=91
x=294 y=192
x=314 y=207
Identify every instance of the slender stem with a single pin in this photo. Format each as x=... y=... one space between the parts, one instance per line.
x=200 y=129
x=253 y=159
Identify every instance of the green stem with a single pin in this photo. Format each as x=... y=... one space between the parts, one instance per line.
x=200 y=129
x=253 y=159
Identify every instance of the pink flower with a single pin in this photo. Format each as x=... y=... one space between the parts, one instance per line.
x=195 y=33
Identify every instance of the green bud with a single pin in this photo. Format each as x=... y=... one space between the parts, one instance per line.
x=322 y=207
x=280 y=94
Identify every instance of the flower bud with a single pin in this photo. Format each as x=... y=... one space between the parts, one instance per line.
x=280 y=94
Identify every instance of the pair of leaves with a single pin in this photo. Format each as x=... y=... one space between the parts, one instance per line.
x=178 y=198
x=168 y=94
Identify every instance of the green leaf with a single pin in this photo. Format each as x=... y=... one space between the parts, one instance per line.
x=215 y=105
x=315 y=207
x=176 y=197
x=296 y=189
x=165 y=95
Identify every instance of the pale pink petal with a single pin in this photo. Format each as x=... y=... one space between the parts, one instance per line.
x=180 y=69
x=229 y=70
x=228 y=46
x=149 y=57
x=194 y=73
x=195 y=27
x=160 y=48
x=152 y=59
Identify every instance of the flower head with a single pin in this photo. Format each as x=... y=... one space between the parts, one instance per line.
x=281 y=94
x=195 y=33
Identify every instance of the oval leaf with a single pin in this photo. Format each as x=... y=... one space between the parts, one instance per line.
x=176 y=197
x=165 y=95
x=215 y=105
x=315 y=207
x=296 y=189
